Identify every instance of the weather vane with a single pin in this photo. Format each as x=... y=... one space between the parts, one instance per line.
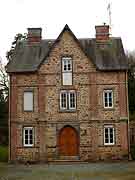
x=110 y=16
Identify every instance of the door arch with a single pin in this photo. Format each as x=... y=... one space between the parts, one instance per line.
x=68 y=141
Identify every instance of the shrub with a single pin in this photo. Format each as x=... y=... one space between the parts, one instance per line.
x=133 y=151
x=3 y=153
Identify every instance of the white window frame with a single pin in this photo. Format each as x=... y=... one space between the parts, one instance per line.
x=67 y=72
x=65 y=61
x=107 y=91
x=109 y=127
x=28 y=145
x=69 y=99
x=25 y=108
x=68 y=102
x=63 y=92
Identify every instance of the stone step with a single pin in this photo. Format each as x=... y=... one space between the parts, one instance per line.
x=68 y=158
x=69 y=162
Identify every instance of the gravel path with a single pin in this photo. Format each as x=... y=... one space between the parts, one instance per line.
x=91 y=171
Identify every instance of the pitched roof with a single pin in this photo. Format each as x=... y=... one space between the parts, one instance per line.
x=28 y=58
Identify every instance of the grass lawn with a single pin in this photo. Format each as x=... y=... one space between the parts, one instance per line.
x=91 y=171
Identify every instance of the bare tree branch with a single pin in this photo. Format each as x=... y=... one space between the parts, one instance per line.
x=4 y=80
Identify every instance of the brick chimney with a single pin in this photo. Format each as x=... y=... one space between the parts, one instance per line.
x=102 y=33
x=34 y=35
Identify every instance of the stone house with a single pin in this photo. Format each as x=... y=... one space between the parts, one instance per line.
x=68 y=98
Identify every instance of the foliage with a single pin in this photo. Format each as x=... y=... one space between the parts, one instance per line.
x=133 y=151
x=4 y=88
x=131 y=83
x=3 y=153
x=4 y=81
x=3 y=119
x=17 y=39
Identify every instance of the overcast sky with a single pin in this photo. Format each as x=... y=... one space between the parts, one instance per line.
x=81 y=16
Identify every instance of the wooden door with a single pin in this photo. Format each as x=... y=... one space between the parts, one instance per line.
x=68 y=142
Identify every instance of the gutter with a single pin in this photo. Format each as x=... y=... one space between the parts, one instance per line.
x=9 y=120
x=128 y=127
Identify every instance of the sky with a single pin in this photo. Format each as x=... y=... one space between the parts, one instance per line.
x=51 y=15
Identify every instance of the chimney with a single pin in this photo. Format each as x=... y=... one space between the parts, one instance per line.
x=34 y=35
x=102 y=33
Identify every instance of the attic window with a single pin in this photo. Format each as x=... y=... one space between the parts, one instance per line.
x=67 y=70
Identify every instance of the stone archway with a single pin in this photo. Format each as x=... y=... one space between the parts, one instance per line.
x=68 y=141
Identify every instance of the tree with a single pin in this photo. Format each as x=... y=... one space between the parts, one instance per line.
x=4 y=81
x=17 y=39
x=131 y=82
x=4 y=89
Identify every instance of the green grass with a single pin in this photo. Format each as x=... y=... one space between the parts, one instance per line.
x=3 y=153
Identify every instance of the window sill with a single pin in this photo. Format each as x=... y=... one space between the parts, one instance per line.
x=28 y=111
x=109 y=145
x=115 y=145
x=108 y=109
x=68 y=111
x=28 y=146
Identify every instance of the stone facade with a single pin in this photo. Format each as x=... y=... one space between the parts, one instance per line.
x=89 y=118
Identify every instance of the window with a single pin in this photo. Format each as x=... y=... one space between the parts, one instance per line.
x=28 y=101
x=108 y=98
x=67 y=71
x=68 y=100
x=28 y=136
x=108 y=135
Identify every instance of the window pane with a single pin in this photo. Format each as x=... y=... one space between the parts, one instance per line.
x=110 y=95
x=109 y=135
x=28 y=136
x=105 y=95
x=26 y=141
x=63 y=100
x=106 y=102
x=30 y=131
x=105 y=99
x=108 y=98
x=72 y=103
x=31 y=141
x=28 y=101
x=26 y=131
x=69 y=66
x=66 y=64
x=110 y=102
x=67 y=78
x=106 y=135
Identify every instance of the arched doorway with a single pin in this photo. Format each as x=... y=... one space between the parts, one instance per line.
x=68 y=142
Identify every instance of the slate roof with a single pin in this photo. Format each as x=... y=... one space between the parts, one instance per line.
x=28 y=58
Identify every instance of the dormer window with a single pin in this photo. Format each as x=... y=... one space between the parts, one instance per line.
x=67 y=71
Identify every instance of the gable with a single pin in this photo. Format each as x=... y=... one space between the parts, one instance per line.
x=66 y=46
